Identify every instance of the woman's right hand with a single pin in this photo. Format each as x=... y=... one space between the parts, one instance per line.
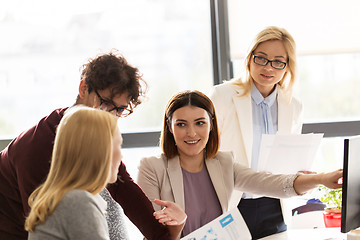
x=171 y=214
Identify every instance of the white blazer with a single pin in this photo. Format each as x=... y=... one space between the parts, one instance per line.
x=234 y=115
x=161 y=178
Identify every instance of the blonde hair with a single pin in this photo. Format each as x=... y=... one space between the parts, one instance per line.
x=272 y=33
x=81 y=159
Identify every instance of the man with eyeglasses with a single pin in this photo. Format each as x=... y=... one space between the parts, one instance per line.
x=109 y=105
x=107 y=82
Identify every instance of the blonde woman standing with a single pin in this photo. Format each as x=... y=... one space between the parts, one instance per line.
x=261 y=103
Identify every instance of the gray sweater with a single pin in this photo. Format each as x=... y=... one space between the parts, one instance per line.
x=79 y=215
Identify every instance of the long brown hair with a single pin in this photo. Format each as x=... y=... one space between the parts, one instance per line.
x=189 y=98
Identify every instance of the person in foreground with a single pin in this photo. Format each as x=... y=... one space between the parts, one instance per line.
x=86 y=157
x=259 y=103
x=110 y=83
x=194 y=174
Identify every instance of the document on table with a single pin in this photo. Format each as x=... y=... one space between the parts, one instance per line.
x=229 y=226
x=288 y=154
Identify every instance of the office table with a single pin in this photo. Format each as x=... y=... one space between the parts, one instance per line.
x=309 y=234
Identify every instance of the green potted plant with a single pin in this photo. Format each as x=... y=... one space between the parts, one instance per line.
x=332 y=213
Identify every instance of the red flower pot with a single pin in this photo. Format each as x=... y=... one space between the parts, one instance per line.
x=332 y=218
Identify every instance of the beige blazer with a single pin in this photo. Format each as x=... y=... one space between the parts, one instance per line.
x=234 y=114
x=161 y=178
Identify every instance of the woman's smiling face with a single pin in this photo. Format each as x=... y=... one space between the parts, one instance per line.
x=190 y=127
x=265 y=77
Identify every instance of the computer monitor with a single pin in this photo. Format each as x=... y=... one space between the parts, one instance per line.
x=350 y=213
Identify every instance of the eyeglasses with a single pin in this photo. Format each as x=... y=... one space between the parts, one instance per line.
x=109 y=106
x=264 y=61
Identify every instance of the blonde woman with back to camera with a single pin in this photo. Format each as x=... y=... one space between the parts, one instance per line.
x=86 y=157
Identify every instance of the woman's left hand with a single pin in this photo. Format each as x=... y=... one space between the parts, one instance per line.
x=333 y=179
x=306 y=182
x=171 y=214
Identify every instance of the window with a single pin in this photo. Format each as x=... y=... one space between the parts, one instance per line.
x=328 y=49
x=44 y=44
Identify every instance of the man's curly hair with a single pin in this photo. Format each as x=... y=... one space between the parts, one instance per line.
x=113 y=71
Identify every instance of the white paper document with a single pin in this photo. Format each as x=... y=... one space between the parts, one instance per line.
x=288 y=154
x=229 y=226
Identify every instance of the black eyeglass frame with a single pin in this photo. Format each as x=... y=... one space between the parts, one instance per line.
x=119 y=110
x=269 y=61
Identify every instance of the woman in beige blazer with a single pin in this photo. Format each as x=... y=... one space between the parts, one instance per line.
x=270 y=75
x=192 y=173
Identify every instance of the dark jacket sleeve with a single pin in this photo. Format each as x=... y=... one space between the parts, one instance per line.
x=32 y=155
x=24 y=165
x=137 y=206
